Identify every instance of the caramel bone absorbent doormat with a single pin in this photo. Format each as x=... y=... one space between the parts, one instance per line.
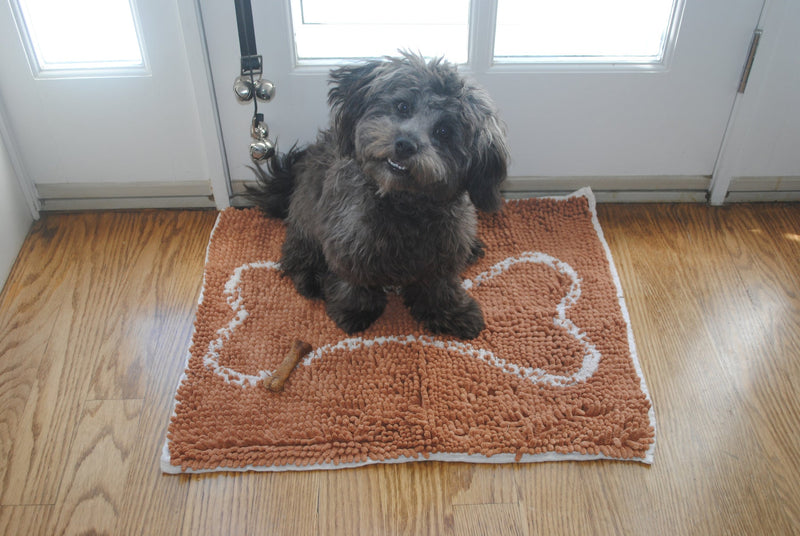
x=554 y=376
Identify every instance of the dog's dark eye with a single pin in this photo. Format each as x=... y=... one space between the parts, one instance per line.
x=442 y=132
x=403 y=108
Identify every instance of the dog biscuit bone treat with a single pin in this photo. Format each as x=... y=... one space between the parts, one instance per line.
x=278 y=378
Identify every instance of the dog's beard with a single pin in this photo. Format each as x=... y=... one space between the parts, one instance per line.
x=423 y=172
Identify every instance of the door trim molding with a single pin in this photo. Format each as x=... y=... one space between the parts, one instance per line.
x=727 y=156
x=191 y=20
x=23 y=178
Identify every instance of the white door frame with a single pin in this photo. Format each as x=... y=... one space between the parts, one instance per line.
x=23 y=178
x=737 y=134
x=200 y=72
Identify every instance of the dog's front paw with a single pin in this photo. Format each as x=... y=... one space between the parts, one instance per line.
x=353 y=308
x=308 y=285
x=352 y=321
x=445 y=308
x=464 y=322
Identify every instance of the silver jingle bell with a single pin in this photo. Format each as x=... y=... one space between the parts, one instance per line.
x=259 y=130
x=265 y=90
x=262 y=150
x=243 y=88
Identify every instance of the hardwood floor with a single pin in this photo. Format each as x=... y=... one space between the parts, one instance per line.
x=96 y=318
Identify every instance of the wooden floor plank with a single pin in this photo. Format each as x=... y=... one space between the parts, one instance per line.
x=362 y=494
x=766 y=254
x=25 y=519
x=99 y=310
x=27 y=331
x=485 y=484
x=162 y=340
x=418 y=498
x=489 y=519
x=95 y=479
x=271 y=503
x=47 y=299
x=717 y=440
x=142 y=278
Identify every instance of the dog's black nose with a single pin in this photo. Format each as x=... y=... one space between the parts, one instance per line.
x=405 y=147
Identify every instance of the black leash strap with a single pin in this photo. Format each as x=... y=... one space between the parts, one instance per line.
x=251 y=61
x=249 y=85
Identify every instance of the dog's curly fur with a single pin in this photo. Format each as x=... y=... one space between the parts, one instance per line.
x=386 y=195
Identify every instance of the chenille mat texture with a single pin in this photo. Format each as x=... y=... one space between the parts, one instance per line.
x=554 y=376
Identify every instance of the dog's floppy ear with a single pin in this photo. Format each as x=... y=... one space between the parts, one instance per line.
x=489 y=160
x=348 y=99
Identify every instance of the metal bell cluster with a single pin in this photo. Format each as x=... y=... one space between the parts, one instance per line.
x=245 y=88
x=262 y=148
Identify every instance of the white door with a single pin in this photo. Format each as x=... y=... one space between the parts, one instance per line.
x=89 y=117
x=613 y=125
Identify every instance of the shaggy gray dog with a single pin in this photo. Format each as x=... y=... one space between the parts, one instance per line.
x=386 y=196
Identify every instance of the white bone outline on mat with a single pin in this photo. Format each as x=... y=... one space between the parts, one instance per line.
x=591 y=357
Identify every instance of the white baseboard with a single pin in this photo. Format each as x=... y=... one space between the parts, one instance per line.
x=638 y=183
x=125 y=195
x=657 y=189
x=633 y=189
x=638 y=189
x=764 y=189
x=614 y=189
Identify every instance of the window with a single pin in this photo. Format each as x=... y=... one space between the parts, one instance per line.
x=81 y=37
x=346 y=29
x=582 y=31
x=525 y=31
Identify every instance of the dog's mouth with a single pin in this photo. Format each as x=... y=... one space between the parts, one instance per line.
x=396 y=167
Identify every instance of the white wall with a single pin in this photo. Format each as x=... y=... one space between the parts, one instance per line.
x=15 y=216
